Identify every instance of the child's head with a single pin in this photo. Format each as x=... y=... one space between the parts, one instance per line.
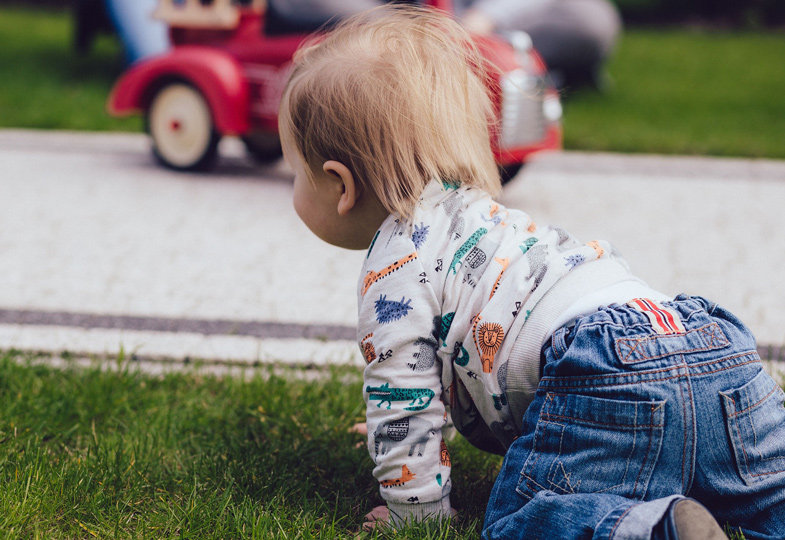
x=398 y=97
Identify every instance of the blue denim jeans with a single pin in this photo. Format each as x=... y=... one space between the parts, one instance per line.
x=629 y=416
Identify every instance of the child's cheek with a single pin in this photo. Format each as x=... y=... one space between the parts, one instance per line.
x=307 y=215
x=299 y=203
x=297 y=206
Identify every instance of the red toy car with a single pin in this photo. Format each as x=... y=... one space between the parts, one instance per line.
x=226 y=72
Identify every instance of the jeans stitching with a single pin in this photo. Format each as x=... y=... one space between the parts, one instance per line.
x=684 y=437
x=614 y=325
x=767 y=473
x=641 y=340
x=764 y=398
x=548 y=476
x=558 y=345
x=633 y=348
x=537 y=456
x=632 y=451
x=734 y=418
x=587 y=380
x=691 y=474
x=741 y=443
x=689 y=312
x=548 y=417
x=534 y=453
x=752 y=353
x=712 y=333
x=557 y=487
x=566 y=477
x=671 y=353
x=648 y=448
x=630 y=427
x=618 y=521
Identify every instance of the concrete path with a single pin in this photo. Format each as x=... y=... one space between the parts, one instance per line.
x=101 y=249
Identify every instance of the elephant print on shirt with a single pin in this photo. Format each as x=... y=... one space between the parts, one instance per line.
x=425 y=355
x=465 y=248
x=412 y=430
x=537 y=266
x=451 y=206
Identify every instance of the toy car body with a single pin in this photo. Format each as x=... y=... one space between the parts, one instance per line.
x=226 y=71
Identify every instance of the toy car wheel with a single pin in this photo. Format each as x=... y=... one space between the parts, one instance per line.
x=263 y=146
x=181 y=127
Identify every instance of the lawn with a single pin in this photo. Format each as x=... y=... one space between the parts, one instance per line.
x=117 y=454
x=45 y=84
x=97 y=453
x=686 y=92
x=676 y=90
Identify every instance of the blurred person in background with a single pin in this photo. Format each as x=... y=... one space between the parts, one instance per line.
x=574 y=37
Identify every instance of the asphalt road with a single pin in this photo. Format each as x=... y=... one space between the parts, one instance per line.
x=102 y=249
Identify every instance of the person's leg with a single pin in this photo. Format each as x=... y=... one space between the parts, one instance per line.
x=616 y=391
x=574 y=37
x=578 y=516
x=579 y=467
x=740 y=456
x=687 y=519
x=600 y=516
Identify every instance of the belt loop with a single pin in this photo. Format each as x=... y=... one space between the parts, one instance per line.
x=559 y=342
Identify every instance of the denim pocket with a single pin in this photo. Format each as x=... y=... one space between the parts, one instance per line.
x=585 y=444
x=755 y=414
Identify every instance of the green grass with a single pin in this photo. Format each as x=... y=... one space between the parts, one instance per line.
x=45 y=84
x=687 y=92
x=116 y=454
x=674 y=90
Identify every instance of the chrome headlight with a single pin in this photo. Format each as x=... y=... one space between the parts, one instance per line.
x=523 y=119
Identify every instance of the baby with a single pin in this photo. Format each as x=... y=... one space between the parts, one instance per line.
x=616 y=406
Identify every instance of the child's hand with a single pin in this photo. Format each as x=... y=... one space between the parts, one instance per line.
x=362 y=429
x=378 y=516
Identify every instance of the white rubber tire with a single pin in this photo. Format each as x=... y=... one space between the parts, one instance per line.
x=181 y=127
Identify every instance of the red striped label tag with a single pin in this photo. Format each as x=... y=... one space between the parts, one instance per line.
x=663 y=319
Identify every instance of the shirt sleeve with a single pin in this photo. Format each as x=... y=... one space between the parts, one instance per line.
x=398 y=314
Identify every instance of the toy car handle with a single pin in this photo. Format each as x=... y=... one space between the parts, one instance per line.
x=444 y=5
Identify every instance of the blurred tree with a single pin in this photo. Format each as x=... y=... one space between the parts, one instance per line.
x=737 y=13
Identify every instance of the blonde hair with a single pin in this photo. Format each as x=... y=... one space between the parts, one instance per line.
x=398 y=95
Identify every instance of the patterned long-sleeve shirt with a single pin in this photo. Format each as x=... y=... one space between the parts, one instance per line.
x=442 y=299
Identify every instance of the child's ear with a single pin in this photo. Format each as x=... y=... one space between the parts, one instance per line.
x=349 y=193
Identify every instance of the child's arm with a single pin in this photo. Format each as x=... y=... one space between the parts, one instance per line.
x=402 y=390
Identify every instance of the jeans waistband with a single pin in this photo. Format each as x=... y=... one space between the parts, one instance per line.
x=705 y=338
x=523 y=364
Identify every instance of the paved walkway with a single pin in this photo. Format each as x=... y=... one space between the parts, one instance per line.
x=101 y=249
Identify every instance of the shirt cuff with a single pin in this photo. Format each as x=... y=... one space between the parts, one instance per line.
x=401 y=513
